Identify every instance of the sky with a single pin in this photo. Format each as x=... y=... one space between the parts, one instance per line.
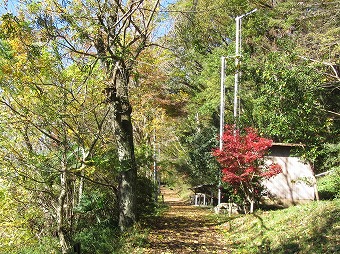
x=10 y=5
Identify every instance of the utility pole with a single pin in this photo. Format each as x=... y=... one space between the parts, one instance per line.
x=238 y=55
x=155 y=175
x=222 y=102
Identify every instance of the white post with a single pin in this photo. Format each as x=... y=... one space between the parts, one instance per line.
x=155 y=164
x=237 y=64
x=222 y=101
x=221 y=121
x=239 y=68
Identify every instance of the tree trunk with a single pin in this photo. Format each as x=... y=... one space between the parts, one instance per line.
x=251 y=210
x=250 y=196
x=121 y=121
x=61 y=213
x=128 y=175
x=251 y=199
x=127 y=216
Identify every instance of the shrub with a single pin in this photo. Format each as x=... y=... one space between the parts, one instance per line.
x=241 y=160
x=44 y=245
x=146 y=190
x=97 y=239
x=329 y=185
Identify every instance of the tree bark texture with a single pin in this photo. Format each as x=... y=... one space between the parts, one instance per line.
x=122 y=125
x=62 y=213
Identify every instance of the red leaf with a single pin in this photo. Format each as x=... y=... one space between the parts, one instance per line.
x=242 y=154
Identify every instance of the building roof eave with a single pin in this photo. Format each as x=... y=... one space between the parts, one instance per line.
x=288 y=144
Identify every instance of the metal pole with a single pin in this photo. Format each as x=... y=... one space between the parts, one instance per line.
x=155 y=164
x=238 y=54
x=239 y=69
x=237 y=63
x=222 y=102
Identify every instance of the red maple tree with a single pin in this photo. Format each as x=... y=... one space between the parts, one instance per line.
x=241 y=159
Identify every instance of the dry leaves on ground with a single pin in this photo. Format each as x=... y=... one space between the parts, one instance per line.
x=184 y=229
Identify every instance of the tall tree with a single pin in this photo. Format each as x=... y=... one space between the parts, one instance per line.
x=114 y=33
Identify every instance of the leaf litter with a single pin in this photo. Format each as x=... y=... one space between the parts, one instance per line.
x=184 y=228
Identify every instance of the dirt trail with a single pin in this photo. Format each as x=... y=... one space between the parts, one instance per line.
x=184 y=229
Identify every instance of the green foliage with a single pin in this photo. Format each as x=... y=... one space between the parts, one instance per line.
x=52 y=128
x=44 y=245
x=287 y=95
x=5 y=50
x=145 y=195
x=24 y=227
x=97 y=224
x=105 y=160
x=98 y=239
x=97 y=206
x=14 y=229
x=203 y=167
x=144 y=157
x=331 y=154
x=329 y=185
x=288 y=90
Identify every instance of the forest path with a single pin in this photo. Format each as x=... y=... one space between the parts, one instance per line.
x=184 y=229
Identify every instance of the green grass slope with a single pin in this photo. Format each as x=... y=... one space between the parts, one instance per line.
x=308 y=228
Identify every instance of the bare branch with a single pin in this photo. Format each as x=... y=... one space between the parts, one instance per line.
x=151 y=15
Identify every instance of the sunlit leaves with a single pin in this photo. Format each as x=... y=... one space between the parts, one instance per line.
x=287 y=94
x=54 y=114
x=20 y=221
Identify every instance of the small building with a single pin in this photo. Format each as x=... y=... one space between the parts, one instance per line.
x=203 y=194
x=296 y=183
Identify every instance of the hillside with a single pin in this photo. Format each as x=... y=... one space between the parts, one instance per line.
x=309 y=228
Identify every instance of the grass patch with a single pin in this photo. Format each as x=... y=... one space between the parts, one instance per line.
x=309 y=228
